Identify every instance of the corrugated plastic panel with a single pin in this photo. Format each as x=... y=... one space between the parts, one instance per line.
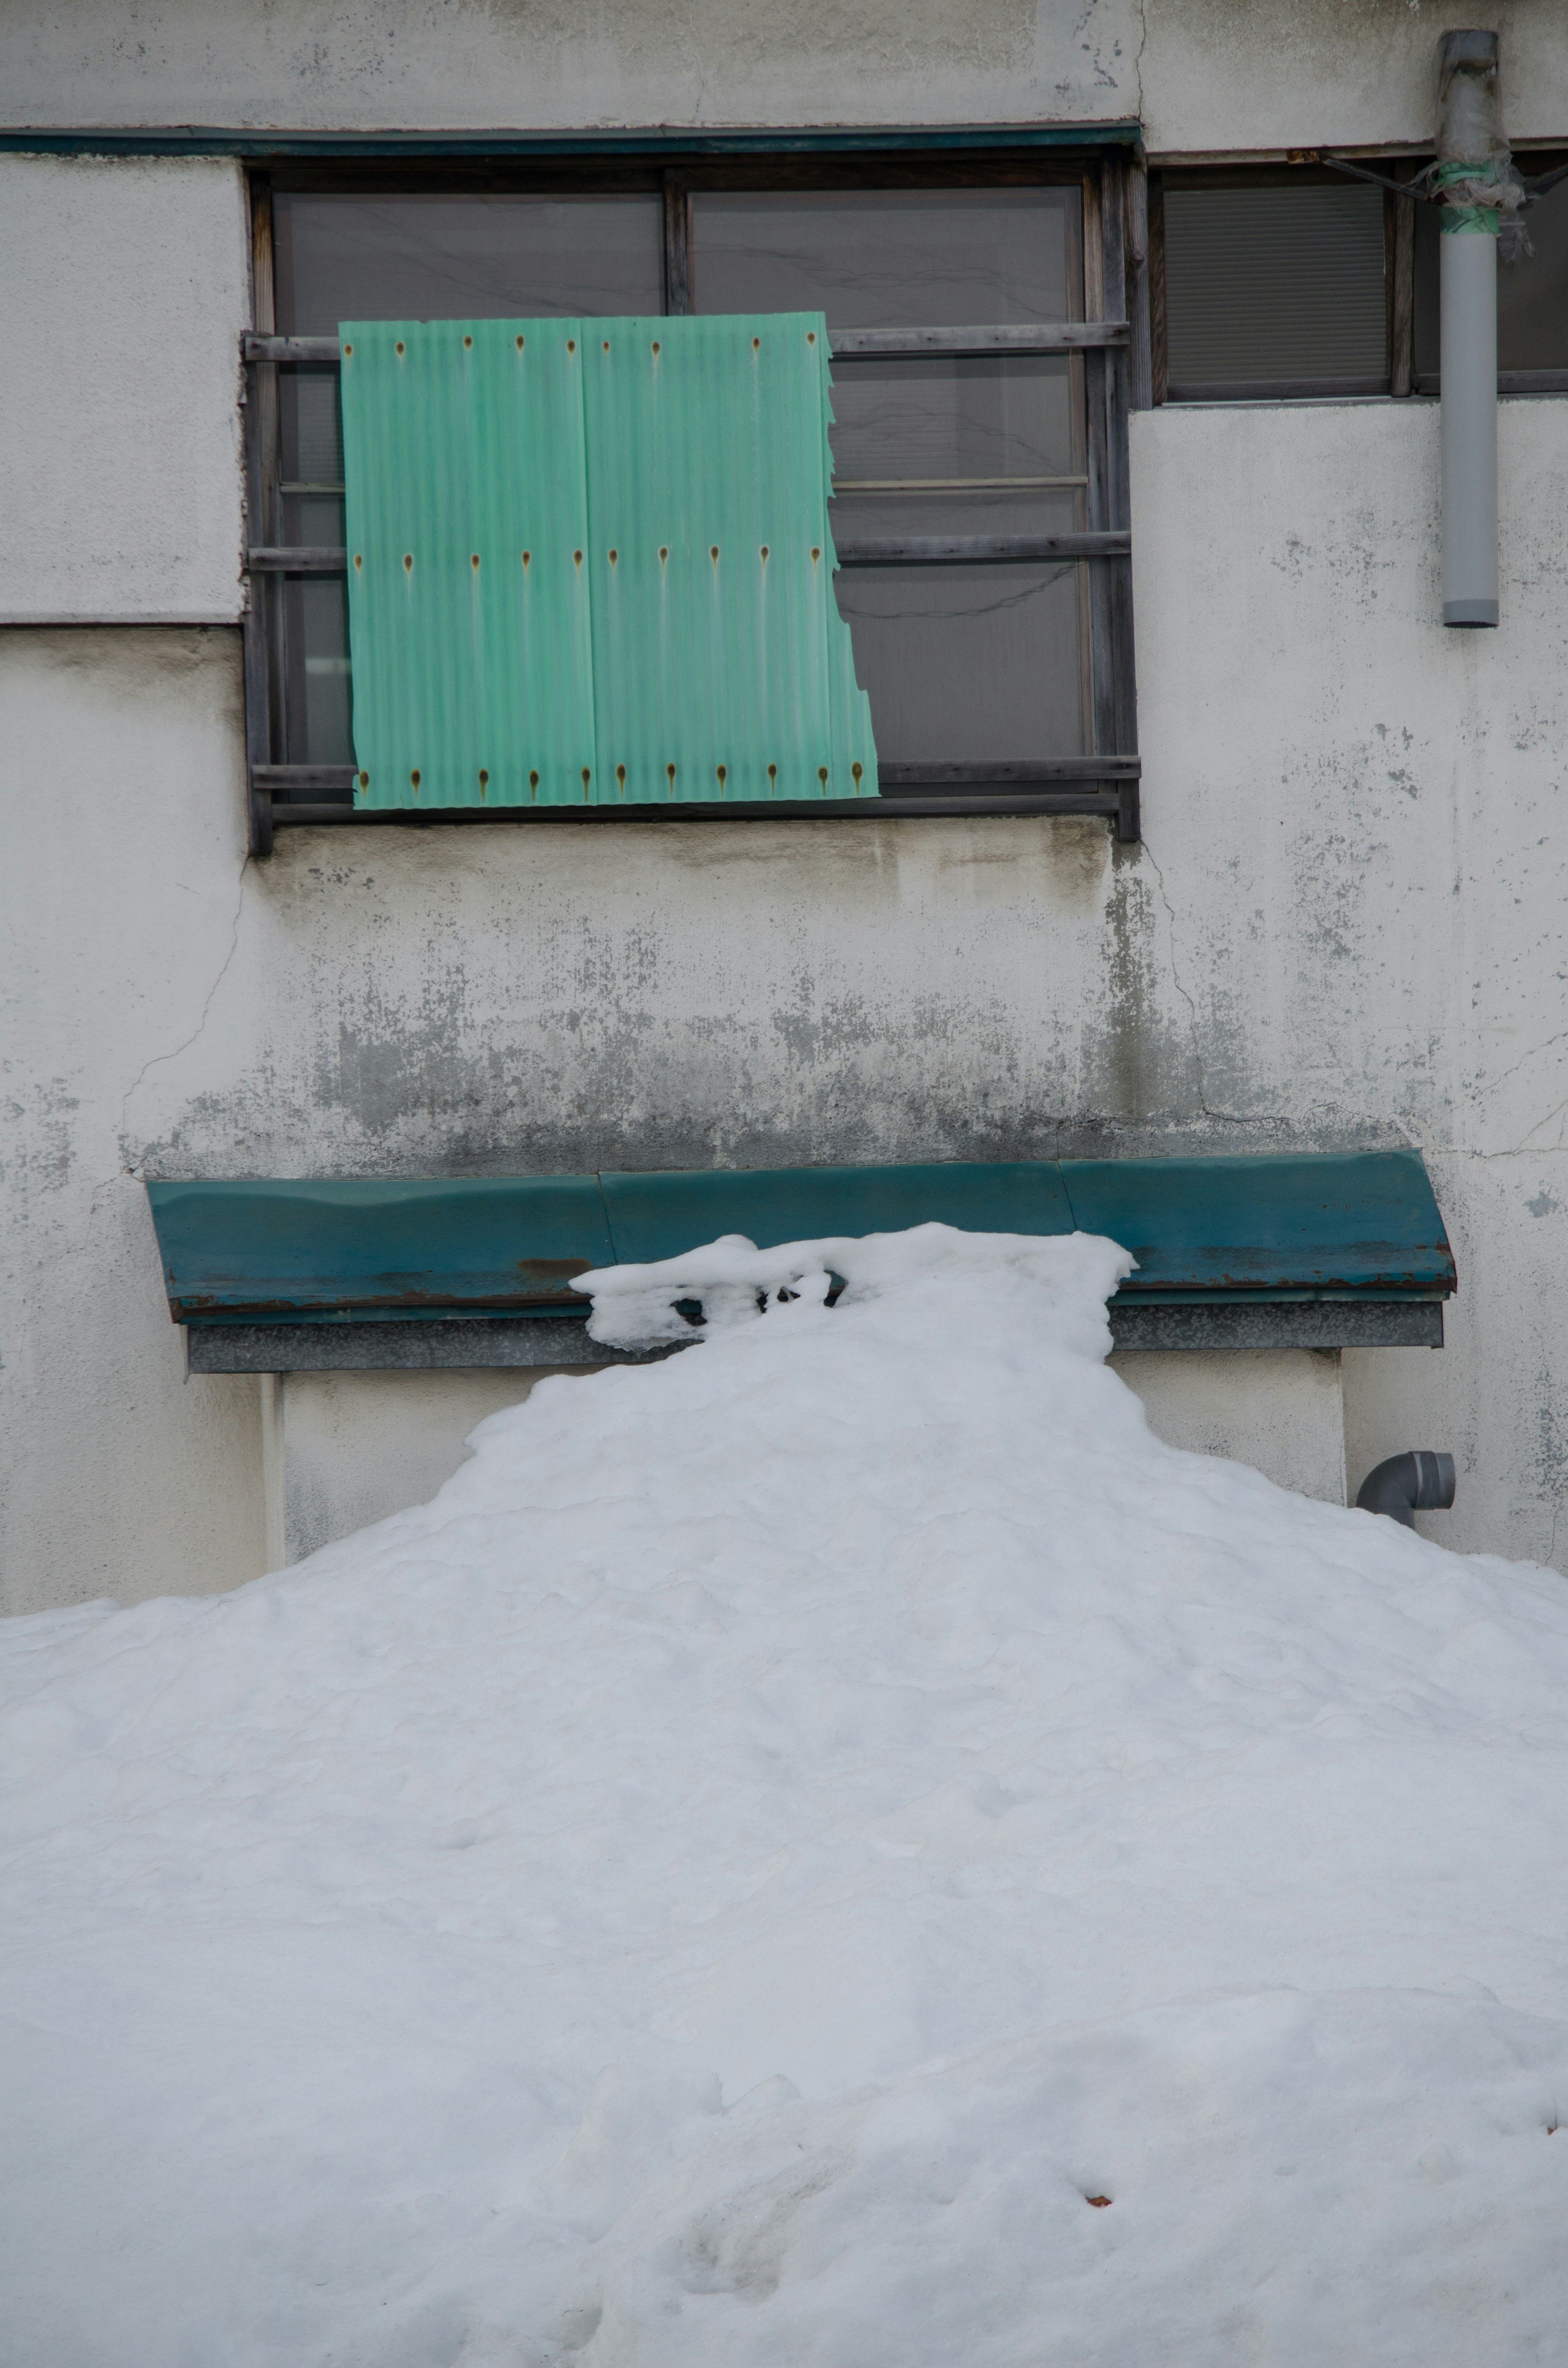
x=722 y=666
x=468 y=584
x=590 y=562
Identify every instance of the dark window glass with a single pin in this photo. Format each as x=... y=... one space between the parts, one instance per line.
x=892 y=259
x=965 y=661
x=416 y=258
x=1532 y=294
x=1272 y=287
x=962 y=662
x=454 y=258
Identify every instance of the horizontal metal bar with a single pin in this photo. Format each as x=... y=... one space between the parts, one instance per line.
x=296 y=485
x=258 y=349
x=298 y=559
x=1036 y=337
x=976 y=550
x=665 y=141
x=1081 y=799
x=1014 y=773
x=933 y=484
x=1267 y=390
x=303 y=777
x=848 y=345
x=894 y=551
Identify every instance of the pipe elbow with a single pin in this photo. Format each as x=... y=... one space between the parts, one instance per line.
x=1419 y=1481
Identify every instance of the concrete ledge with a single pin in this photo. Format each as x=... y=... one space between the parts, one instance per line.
x=532 y=1343
x=1282 y=1323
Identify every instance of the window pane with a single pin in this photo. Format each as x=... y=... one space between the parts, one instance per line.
x=446 y=258
x=1532 y=294
x=944 y=419
x=879 y=258
x=961 y=664
x=1275 y=286
x=859 y=515
x=969 y=663
x=315 y=637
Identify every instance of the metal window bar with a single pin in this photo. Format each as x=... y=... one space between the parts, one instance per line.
x=1105 y=783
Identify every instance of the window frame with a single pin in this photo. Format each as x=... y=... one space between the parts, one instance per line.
x=1113 y=340
x=1399 y=234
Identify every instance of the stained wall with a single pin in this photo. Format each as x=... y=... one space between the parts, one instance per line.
x=1345 y=926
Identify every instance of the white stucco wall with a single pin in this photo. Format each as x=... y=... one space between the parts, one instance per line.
x=1201 y=75
x=1347 y=926
x=121 y=785
x=1357 y=827
x=1281 y=1410
x=349 y=1448
x=123 y=291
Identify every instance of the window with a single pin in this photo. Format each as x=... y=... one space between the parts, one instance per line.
x=979 y=388
x=1275 y=284
x=1532 y=294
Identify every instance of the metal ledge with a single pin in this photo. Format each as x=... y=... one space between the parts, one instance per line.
x=1118 y=806
x=982 y=343
x=535 y=1343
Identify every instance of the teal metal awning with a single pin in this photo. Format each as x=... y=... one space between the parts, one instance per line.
x=1361 y=1226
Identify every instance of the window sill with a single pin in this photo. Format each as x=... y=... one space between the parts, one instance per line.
x=313 y=797
x=1082 y=799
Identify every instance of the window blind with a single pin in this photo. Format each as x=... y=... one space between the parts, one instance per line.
x=589 y=563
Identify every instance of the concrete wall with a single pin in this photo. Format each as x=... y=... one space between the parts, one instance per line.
x=120 y=780
x=1225 y=75
x=342 y=1449
x=1281 y=1410
x=1347 y=924
x=123 y=290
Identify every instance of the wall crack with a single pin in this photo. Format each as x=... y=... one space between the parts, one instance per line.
x=129 y=1166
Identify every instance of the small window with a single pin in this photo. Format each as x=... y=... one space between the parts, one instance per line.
x=1533 y=295
x=1274 y=286
x=979 y=511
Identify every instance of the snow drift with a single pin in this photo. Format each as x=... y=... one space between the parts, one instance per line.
x=835 y=1848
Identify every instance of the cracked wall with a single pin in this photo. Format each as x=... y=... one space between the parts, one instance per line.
x=1345 y=926
x=1202 y=76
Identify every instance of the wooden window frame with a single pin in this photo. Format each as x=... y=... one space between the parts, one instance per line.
x=1112 y=344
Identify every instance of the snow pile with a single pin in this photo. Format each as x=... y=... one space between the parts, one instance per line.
x=834 y=1848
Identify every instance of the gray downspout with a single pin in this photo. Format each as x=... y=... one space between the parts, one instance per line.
x=1472 y=177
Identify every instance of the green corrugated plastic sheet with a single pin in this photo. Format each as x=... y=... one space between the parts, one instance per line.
x=589 y=563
